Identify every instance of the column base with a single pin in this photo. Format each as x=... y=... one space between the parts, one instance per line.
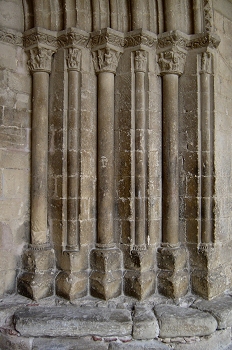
x=140 y=278
x=173 y=280
x=72 y=285
x=106 y=276
x=37 y=281
x=208 y=279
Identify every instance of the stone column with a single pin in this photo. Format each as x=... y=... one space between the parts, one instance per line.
x=173 y=280
x=140 y=151
x=106 y=259
x=38 y=260
x=206 y=151
x=140 y=280
x=197 y=14
x=73 y=149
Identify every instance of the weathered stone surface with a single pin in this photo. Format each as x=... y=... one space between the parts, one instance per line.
x=216 y=341
x=173 y=284
x=72 y=321
x=139 y=285
x=176 y=321
x=145 y=324
x=220 y=308
x=13 y=342
x=139 y=345
x=68 y=344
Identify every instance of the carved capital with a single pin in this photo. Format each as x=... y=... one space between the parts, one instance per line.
x=107 y=38
x=105 y=60
x=40 y=60
x=171 y=62
x=73 y=58
x=206 y=62
x=140 y=61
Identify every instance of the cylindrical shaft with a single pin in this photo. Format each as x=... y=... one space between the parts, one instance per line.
x=137 y=14
x=140 y=160
x=197 y=15
x=73 y=145
x=105 y=235
x=206 y=160
x=170 y=171
x=39 y=158
x=170 y=15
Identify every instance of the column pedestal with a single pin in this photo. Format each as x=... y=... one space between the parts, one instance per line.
x=173 y=275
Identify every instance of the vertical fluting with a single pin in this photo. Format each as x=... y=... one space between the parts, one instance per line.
x=206 y=152
x=170 y=171
x=39 y=158
x=140 y=149
x=105 y=133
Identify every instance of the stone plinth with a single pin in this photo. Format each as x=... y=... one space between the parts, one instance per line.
x=37 y=281
x=106 y=276
x=173 y=279
x=140 y=278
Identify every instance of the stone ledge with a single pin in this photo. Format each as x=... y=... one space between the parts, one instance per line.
x=220 y=308
x=175 y=321
x=72 y=321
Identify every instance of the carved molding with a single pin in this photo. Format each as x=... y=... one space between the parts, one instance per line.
x=208 y=15
x=106 y=60
x=172 y=39
x=140 y=61
x=34 y=38
x=73 y=58
x=105 y=37
x=205 y=40
x=73 y=38
x=171 y=62
x=10 y=37
x=206 y=62
x=40 y=59
x=142 y=38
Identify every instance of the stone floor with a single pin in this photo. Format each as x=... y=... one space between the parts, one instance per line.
x=123 y=323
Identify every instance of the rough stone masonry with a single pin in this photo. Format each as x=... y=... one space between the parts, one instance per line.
x=116 y=173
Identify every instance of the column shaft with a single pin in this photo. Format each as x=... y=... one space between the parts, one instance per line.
x=39 y=158
x=73 y=161
x=170 y=22
x=137 y=14
x=105 y=159
x=170 y=209
x=140 y=160
x=197 y=16
x=206 y=160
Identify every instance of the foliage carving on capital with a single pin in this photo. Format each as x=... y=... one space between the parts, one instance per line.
x=73 y=59
x=40 y=59
x=171 y=62
x=140 y=61
x=105 y=60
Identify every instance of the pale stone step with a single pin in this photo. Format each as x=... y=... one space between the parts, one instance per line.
x=175 y=321
x=219 y=340
x=145 y=324
x=72 y=321
x=139 y=345
x=220 y=308
x=85 y=343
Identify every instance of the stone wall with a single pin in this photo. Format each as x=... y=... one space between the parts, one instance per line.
x=131 y=154
x=15 y=114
